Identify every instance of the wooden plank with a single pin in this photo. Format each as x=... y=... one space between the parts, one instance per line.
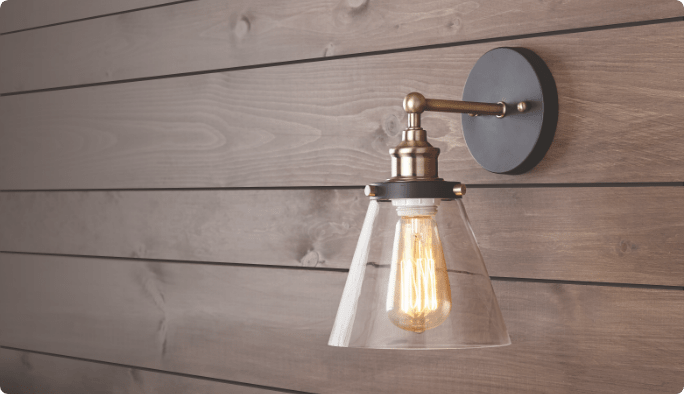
x=331 y=123
x=30 y=373
x=217 y=34
x=27 y=14
x=620 y=235
x=265 y=326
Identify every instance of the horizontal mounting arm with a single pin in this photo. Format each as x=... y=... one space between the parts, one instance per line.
x=415 y=104
x=465 y=107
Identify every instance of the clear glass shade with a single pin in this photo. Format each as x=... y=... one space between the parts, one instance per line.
x=418 y=281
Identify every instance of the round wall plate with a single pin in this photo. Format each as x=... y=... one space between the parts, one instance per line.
x=515 y=143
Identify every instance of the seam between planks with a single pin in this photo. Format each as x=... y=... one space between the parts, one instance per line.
x=97 y=17
x=184 y=375
x=586 y=283
x=345 y=270
x=360 y=187
x=360 y=54
x=172 y=261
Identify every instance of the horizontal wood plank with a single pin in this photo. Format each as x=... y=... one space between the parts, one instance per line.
x=332 y=123
x=265 y=326
x=26 y=14
x=623 y=235
x=217 y=34
x=30 y=373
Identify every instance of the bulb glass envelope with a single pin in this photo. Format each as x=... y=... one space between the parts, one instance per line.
x=367 y=316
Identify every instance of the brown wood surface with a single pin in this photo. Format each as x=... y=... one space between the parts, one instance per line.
x=623 y=235
x=270 y=327
x=26 y=14
x=216 y=34
x=332 y=123
x=31 y=373
x=327 y=123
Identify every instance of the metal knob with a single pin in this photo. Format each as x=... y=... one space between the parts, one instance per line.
x=459 y=189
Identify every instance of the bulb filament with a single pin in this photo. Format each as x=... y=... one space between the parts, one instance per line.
x=419 y=294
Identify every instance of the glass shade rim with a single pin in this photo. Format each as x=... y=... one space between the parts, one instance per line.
x=445 y=347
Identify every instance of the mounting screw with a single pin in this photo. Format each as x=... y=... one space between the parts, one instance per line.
x=459 y=189
x=370 y=190
x=522 y=107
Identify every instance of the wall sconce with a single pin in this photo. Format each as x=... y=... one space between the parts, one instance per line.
x=417 y=279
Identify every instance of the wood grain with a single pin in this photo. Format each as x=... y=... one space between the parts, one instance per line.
x=622 y=235
x=332 y=123
x=270 y=327
x=31 y=373
x=26 y=14
x=217 y=34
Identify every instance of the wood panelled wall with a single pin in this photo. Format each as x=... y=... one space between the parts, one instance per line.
x=181 y=193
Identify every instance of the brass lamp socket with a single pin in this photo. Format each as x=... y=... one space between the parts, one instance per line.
x=414 y=160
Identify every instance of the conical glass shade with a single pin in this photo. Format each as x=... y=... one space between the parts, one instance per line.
x=403 y=292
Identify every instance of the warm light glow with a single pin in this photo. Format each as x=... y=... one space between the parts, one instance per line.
x=419 y=295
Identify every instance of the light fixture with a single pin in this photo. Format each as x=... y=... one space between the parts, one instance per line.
x=417 y=278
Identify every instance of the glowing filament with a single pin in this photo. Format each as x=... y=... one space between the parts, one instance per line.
x=419 y=295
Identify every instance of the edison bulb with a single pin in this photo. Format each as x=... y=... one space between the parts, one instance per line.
x=419 y=294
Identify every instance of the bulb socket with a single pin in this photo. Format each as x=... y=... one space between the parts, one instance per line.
x=416 y=206
x=414 y=159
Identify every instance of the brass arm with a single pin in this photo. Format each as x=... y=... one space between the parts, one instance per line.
x=416 y=103
x=465 y=107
